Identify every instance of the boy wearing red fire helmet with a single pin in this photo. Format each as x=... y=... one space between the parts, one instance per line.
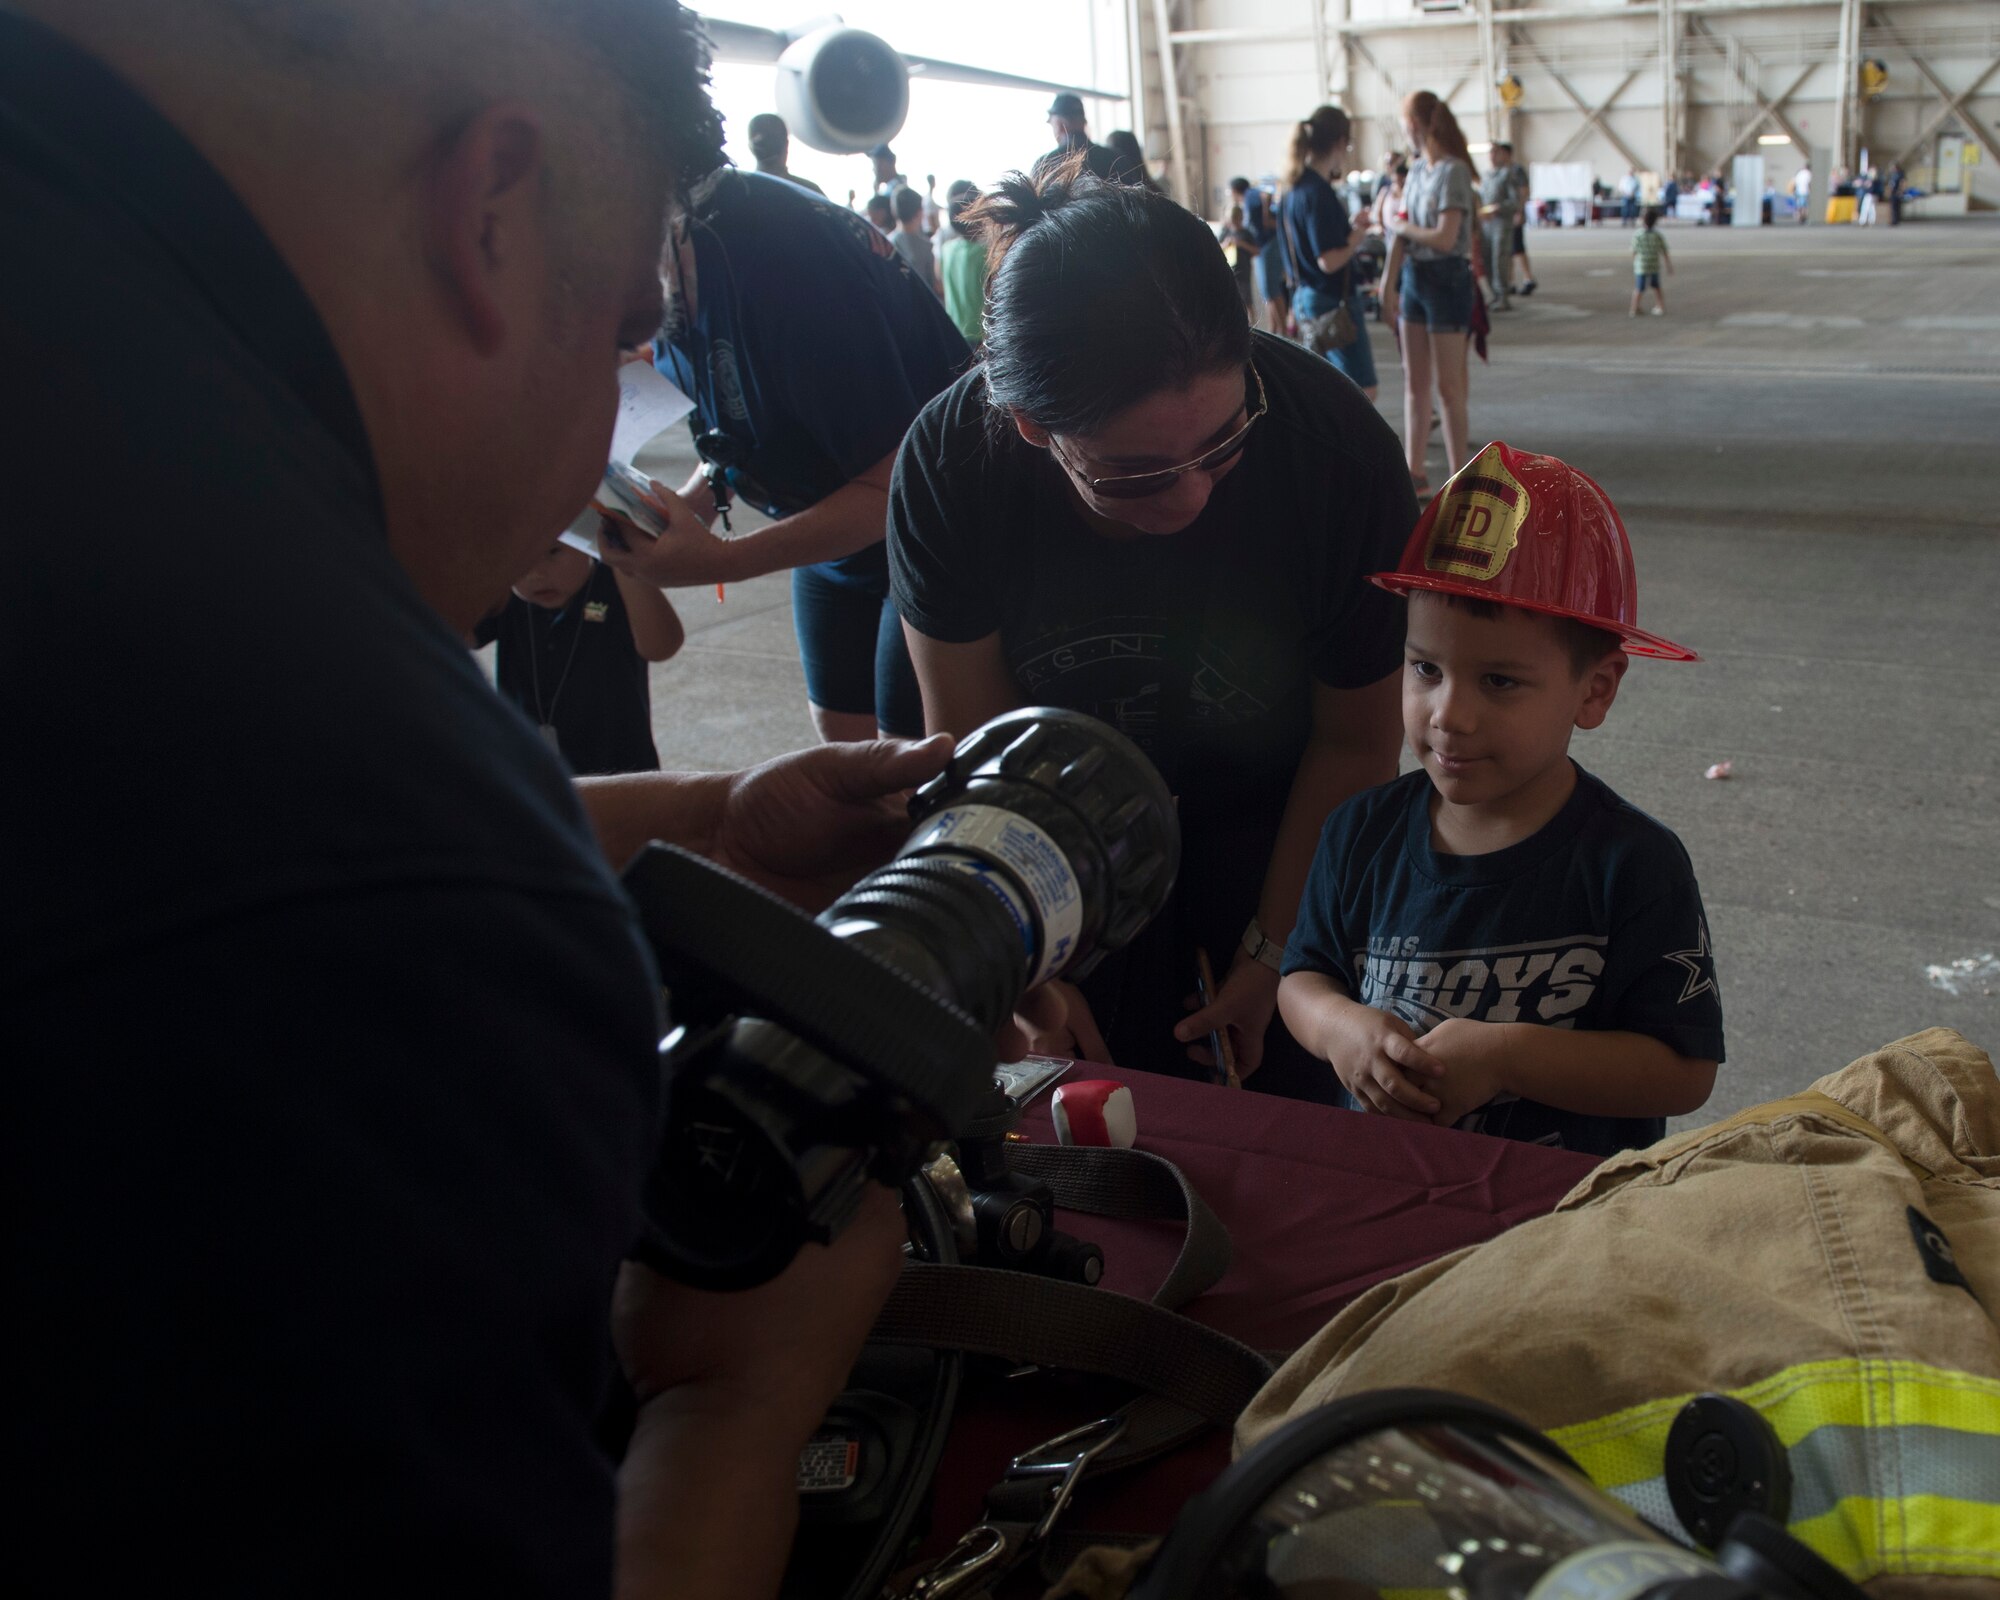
x=1497 y=941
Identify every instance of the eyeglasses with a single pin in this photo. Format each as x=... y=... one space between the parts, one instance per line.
x=1138 y=485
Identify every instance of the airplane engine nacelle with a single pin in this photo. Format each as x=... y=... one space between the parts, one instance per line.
x=842 y=90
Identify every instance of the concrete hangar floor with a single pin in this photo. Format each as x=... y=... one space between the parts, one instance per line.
x=1807 y=452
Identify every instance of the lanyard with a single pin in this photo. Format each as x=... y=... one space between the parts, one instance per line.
x=545 y=720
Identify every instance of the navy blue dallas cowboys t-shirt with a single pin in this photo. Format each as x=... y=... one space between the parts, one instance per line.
x=1593 y=922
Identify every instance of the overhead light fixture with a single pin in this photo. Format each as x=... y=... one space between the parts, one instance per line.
x=1774 y=138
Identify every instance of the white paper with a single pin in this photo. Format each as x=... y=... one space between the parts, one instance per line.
x=647 y=405
x=582 y=533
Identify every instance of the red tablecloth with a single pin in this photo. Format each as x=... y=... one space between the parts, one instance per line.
x=1319 y=1204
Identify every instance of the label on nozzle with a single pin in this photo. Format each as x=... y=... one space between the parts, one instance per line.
x=1035 y=860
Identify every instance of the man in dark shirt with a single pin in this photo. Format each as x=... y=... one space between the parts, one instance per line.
x=332 y=1041
x=1066 y=122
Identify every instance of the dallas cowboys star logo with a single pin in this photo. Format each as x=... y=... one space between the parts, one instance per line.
x=1700 y=968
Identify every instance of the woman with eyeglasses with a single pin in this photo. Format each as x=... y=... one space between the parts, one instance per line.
x=1137 y=508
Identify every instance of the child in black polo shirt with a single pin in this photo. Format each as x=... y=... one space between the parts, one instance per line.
x=575 y=642
x=1498 y=942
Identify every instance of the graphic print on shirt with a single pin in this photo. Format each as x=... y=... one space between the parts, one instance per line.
x=1698 y=962
x=1112 y=667
x=727 y=382
x=1548 y=981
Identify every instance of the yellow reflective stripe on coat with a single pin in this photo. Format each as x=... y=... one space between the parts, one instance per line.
x=1895 y=1465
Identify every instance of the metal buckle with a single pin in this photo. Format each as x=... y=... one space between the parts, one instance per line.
x=980 y=1550
x=990 y=1550
x=1082 y=1446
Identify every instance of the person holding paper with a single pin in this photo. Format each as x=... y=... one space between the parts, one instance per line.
x=808 y=348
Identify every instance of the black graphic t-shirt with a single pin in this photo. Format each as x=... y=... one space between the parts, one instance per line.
x=1228 y=622
x=577 y=670
x=1594 y=922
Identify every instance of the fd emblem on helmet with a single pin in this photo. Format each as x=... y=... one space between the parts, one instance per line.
x=1480 y=520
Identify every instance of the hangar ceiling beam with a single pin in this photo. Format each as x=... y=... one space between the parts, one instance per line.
x=1502 y=17
x=1593 y=116
x=1953 y=100
x=1391 y=123
x=1768 y=110
x=1954 y=107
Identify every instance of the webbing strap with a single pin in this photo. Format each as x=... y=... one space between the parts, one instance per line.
x=991 y=1311
x=1135 y=1184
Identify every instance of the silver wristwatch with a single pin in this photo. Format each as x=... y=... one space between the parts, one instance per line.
x=1270 y=953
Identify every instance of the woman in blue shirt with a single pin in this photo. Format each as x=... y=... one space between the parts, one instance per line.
x=1320 y=240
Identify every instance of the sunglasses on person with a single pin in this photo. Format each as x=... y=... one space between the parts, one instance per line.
x=1138 y=485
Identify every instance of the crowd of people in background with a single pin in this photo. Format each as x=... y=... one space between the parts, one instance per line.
x=1428 y=241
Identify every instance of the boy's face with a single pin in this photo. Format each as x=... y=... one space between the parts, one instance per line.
x=1488 y=703
x=555 y=579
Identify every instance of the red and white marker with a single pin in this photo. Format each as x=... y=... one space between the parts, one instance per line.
x=1095 y=1111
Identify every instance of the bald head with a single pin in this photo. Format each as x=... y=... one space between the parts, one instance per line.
x=473 y=193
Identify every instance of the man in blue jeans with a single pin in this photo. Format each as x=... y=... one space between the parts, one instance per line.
x=808 y=347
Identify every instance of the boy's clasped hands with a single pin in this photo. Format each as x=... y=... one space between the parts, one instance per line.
x=1455 y=1069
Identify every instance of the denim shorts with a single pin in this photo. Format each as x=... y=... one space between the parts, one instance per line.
x=1358 y=359
x=851 y=642
x=1439 y=293
x=1642 y=281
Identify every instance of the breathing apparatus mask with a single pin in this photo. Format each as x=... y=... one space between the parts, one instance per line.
x=810 y=1057
x=1409 y=1493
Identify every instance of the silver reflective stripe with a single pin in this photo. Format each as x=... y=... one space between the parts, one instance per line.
x=1840 y=1462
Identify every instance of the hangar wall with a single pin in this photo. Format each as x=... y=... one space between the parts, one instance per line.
x=1616 y=84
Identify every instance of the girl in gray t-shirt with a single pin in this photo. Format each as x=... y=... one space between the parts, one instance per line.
x=1433 y=188
x=1428 y=287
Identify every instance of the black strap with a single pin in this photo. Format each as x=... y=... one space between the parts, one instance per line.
x=1191 y=1377
x=1135 y=1184
x=991 y=1311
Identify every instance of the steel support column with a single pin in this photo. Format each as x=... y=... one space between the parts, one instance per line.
x=1845 y=67
x=1170 y=83
x=1489 y=68
x=1670 y=89
x=1324 y=79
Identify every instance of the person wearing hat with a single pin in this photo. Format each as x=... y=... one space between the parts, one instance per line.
x=770 y=145
x=1497 y=941
x=1066 y=122
x=887 y=179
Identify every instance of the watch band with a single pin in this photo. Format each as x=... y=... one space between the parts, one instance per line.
x=1260 y=949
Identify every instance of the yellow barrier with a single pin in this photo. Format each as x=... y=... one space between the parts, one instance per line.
x=1840 y=208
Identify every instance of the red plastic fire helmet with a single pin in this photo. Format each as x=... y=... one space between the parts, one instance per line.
x=1530 y=531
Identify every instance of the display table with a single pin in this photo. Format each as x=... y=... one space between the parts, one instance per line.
x=1319 y=1203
